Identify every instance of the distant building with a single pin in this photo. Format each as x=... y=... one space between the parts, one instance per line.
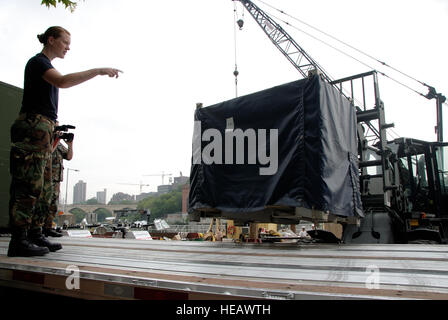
x=179 y=181
x=79 y=192
x=164 y=188
x=101 y=196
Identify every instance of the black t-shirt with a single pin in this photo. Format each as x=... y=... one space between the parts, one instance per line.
x=39 y=96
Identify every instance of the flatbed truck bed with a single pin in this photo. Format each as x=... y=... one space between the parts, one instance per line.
x=114 y=268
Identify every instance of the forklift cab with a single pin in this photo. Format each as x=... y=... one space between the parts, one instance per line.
x=423 y=177
x=423 y=174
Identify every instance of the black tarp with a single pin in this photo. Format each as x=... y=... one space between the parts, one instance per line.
x=308 y=128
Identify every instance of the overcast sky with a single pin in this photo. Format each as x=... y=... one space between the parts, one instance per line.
x=177 y=53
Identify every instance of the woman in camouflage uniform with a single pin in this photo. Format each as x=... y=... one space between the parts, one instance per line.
x=31 y=143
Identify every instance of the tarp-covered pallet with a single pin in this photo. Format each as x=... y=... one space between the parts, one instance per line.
x=279 y=155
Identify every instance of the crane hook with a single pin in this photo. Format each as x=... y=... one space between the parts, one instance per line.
x=240 y=23
x=236 y=73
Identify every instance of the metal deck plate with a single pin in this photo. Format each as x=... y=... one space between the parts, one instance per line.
x=273 y=271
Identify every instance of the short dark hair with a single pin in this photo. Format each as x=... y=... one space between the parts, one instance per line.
x=54 y=32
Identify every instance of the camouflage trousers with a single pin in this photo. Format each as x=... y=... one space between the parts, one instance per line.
x=54 y=201
x=30 y=168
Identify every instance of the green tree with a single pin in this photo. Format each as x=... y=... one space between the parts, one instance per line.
x=92 y=201
x=136 y=217
x=102 y=214
x=79 y=214
x=121 y=198
x=71 y=5
x=163 y=204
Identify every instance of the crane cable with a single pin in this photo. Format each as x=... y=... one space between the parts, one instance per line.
x=352 y=47
x=327 y=44
x=235 y=72
x=350 y=56
x=361 y=62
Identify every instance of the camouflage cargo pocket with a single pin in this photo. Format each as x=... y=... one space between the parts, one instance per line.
x=32 y=134
x=27 y=166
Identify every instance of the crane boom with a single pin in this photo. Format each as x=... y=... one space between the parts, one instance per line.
x=304 y=63
x=295 y=54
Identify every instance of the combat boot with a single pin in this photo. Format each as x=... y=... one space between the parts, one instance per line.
x=50 y=232
x=35 y=236
x=20 y=246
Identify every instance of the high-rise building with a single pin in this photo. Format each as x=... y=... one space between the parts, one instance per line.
x=79 y=192
x=101 y=197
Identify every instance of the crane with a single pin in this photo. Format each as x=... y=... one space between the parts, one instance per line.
x=163 y=175
x=137 y=184
x=388 y=205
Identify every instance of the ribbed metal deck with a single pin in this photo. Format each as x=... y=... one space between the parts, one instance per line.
x=198 y=270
